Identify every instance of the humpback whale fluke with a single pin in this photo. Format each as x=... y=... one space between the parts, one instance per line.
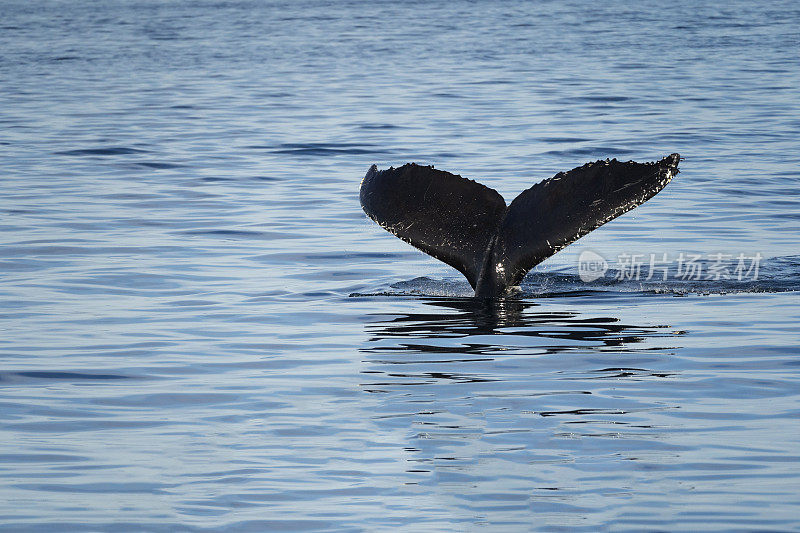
x=468 y=226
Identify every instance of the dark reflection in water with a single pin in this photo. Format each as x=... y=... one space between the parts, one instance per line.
x=471 y=317
x=465 y=340
x=528 y=392
x=463 y=318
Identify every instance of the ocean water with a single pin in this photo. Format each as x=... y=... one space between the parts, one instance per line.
x=202 y=331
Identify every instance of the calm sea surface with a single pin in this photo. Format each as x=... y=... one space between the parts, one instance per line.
x=200 y=330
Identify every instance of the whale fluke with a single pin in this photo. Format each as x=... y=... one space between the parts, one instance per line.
x=468 y=226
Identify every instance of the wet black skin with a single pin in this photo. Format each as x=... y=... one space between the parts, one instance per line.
x=468 y=225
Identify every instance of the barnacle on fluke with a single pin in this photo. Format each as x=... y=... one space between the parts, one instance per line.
x=468 y=226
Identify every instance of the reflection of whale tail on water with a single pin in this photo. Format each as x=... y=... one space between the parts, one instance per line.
x=468 y=226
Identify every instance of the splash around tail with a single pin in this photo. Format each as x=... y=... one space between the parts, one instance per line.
x=468 y=225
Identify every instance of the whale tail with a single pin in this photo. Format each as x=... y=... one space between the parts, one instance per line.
x=468 y=225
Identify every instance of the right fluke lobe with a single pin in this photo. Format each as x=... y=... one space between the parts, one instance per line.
x=468 y=226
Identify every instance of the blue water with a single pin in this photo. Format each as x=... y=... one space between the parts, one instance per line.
x=201 y=330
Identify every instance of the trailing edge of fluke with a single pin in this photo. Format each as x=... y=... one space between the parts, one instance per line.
x=468 y=226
